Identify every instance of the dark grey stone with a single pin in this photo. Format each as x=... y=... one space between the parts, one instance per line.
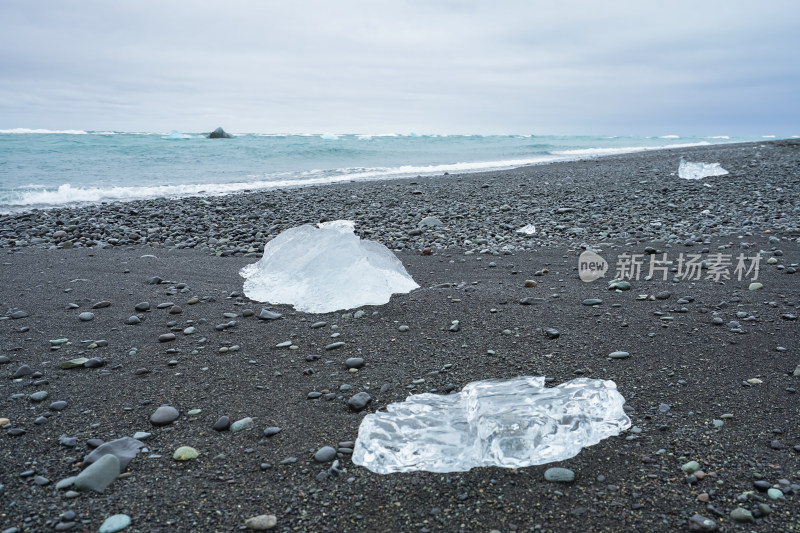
x=164 y=415
x=359 y=401
x=125 y=449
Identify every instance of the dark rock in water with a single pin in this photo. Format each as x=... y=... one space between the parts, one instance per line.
x=219 y=133
x=125 y=449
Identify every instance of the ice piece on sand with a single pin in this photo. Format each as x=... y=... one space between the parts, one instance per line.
x=530 y=229
x=326 y=268
x=510 y=423
x=696 y=171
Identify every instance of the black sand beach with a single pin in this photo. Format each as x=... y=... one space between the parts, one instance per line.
x=721 y=393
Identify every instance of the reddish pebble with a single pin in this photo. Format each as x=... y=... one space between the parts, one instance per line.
x=703 y=497
x=427 y=251
x=699 y=474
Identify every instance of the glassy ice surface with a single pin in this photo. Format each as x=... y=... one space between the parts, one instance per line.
x=530 y=229
x=510 y=423
x=326 y=268
x=696 y=171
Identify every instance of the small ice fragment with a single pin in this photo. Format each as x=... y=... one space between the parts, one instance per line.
x=530 y=229
x=326 y=268
x=175 y=134
x=696 y=171
x=510 y=423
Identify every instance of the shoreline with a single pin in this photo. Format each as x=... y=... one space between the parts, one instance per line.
x=468 y=205
x=564 y=156
x=712 y=373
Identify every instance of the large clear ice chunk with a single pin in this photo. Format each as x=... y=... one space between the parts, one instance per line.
x=696 y=171
x=510 y=423
x=325 y=268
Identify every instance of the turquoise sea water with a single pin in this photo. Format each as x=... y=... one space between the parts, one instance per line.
x=42 y=169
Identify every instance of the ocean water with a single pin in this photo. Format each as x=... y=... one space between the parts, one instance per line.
x=44 y=169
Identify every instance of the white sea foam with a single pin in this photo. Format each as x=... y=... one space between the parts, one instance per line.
x=720 y=137
x=329 y=137
x=767 y=136
x=670 y=137
x=28 y=130
x=623 y=150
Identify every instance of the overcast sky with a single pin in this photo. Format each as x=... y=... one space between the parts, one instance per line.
x=559 y=67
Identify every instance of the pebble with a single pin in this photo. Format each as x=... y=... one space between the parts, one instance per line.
x=74 y=363
x=559 y=475
x=359 y=401
x=700 y=523
x=261 y=522
x=185 y=453
x=39 y=396
x=619 y=355
x=552 y=333
x=742 y=515
x=592 y=301
x=124 y=449
x=94 y=362
x=133 y=320
x=98 y=475
x=142 y=306
x=59 y=405
x=242 y=425
x=22 y=371
x=222 y=424
x=619 y=286
x=266 y=314
x=354 y=362
x=755 y=286
x=166 y=337
x=115 y=523
x=272 y=431
x=691 y=467
x=334 y=345
x=775 y=494
x=325 y=454
x=164 y=415
x=86 y=316
x=404 y=328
